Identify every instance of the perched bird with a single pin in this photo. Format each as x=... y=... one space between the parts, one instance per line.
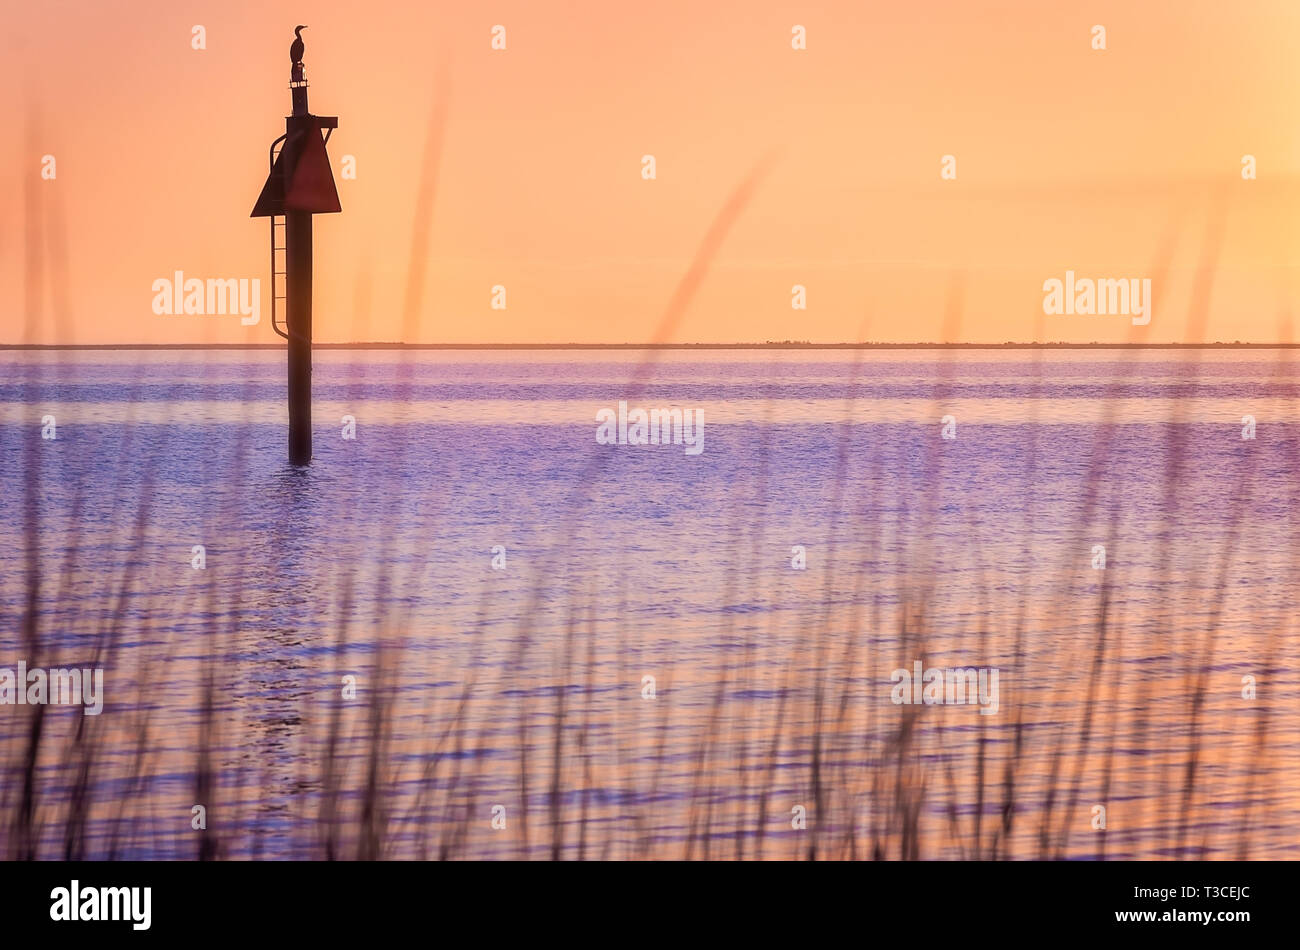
x=295 y=51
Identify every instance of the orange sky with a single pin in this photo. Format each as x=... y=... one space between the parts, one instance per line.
x=1067 y=158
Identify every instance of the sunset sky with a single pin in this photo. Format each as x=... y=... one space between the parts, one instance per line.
x=1119 y=163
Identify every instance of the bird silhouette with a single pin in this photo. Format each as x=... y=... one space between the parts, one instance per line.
x=295 y=51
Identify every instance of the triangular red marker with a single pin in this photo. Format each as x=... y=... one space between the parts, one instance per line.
x=312 y=187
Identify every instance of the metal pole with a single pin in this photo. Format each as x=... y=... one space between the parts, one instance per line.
x=298 y=253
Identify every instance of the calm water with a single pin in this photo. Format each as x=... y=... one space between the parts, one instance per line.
x=525 y=687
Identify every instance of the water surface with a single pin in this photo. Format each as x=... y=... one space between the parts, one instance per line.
x=525 y=687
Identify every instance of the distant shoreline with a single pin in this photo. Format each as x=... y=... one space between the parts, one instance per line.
x=657 y=346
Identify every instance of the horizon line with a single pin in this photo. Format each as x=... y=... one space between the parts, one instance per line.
x=769 y=345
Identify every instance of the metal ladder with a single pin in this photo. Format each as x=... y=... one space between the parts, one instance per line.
x=280 y=267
